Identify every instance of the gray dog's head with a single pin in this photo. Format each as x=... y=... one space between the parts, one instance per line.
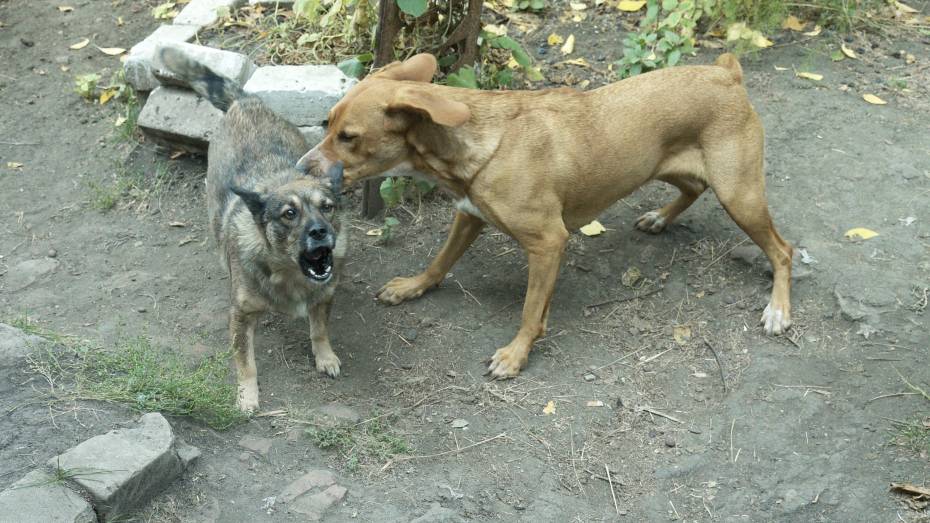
x=298 y=221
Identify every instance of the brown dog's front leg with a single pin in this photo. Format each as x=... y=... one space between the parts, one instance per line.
x=326 y=359
x=465 y=229
x=545 y=256
x=242 y=334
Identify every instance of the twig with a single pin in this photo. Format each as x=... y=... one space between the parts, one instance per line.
x=894 y=395
x=19 y=143
x=732 y=426
x=654 y=356
x=618 y=360
x=718 y=258
x=626 y=298
x=911 y=386
x=650 y=410
x=612 y=493
x=470 y=295
x=723 y=377
x=440 y=454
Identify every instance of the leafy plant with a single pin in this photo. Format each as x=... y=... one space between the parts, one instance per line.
x=529 y=5
x=165 y=11
x=413 y=8
x=356 y=66
x=665 y=33
x=86 y=85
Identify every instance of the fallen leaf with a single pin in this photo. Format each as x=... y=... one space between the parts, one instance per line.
x=837 y=56
x=496 y=30
x=860 y=232
x=120 y=120
x=579 y=16
x=119 y=21
x=874 y=100
x=905 y=8
x=595 y=403
x=569 y=45
x=631 y=276
x=65 y=68
x=578 y=6
x=549 y=409
x=814 y=32
x=699 y=374
x=459 y=423
x=681 y=333
x=911 y=489
x=779 y=68
x=847 y=51
x=554 y=40
x=185 y=241
x=793 y=23
x=909 y=59
x=374 y=232
x=65 y=8
x=80 y=45
x=177 y=154
x=581 y=62
x=593 y=229
x=761 y=41
x=112 y=51
x=177 y=224
x=907 y=221
x=810 y=76
x=107 y=95
x=14 y=165
x=631 y=6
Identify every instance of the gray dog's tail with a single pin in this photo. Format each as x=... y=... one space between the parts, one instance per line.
x=219 y=90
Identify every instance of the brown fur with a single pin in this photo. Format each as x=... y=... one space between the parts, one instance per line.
x=537 y=164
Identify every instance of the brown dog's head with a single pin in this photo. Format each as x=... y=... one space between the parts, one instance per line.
x=298 y=221
x=367 y=129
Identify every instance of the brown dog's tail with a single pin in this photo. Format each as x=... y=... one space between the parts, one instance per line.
x=729 y=62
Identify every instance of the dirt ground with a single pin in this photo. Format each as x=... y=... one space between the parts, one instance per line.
x=785 y=429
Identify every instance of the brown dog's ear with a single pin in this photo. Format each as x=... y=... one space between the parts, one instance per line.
x=438 y=109
x=418 y=68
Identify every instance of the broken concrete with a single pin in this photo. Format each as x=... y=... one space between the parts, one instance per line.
x=438 y=514
x=303 y=94
x=139 y=67
x=123 y=468
x=314 y=506
x=309 y=481
x=260 y=446
x=178 y=117
x=237 y=67
x=40 y=496
x=25 y=273
x=205 y=12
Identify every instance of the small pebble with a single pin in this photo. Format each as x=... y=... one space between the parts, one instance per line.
x=589 y=377
x=52 y=253
x=670 y=442
x=141 y=309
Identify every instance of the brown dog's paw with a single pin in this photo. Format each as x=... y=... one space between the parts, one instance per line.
x=508 y=362
x=401 y=289
x=775 y=319
x=328 y=363
x=651 y=222
x=248 y=398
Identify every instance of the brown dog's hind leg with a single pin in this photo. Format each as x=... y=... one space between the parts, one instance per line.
x=242 y=337
x=465 y=229
x=656 y=221
x=544 y=250
x=743 y=197
x=326 y=359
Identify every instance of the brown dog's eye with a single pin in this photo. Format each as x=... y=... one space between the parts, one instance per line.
x=290 y=214
x=345 y=137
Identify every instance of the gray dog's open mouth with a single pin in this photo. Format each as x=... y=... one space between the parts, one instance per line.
x=317 y=264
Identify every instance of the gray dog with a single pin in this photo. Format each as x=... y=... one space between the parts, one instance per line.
x=277 y=228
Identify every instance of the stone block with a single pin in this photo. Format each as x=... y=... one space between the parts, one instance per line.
x=237 y=67
x=303 y=94
x=123 y=468
x=179 y=118
x=314 y=506
x=309 y=481
x=15 y=344
x=39 y=496
x=139 y=68
x=204 y=12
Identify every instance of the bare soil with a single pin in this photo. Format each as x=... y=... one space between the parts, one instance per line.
x=787 y=428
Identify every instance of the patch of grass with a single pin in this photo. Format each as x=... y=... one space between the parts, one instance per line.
x=135 y=187
x=142 y=377
x=913 y=435
x=367 y=443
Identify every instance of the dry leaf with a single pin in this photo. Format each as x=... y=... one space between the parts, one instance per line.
x=80 y=45
x=593 y=229
x=631 y=276
x=569 y=45
x=374 y=232
x=778 y=68
x=813 y=32
x=549 y=408
x=793 y=23
x=810 y=76
x=860 y=232
x=112 y=51
x=581 y=62
x=119 y=21
x=578 y=6
x=579 y=16
x=177 y=154
x=14 y=165
x=496 y=30
x=911 y=489
x=681 y=333
x=65 y=8
x=177 y=224
x=761 y=41
x=65 y=68
x=905 y=8
x=107 y=95
x=631 y=6
x=874 y=100
x=595 y=403
x=847 y=51
x=120 y=120
x=554 y=40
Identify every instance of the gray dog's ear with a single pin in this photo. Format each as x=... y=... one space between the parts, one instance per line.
x=253 y=200
x=417 y=68
x=419 y=100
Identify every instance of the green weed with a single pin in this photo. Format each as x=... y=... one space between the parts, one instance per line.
x=367 y=443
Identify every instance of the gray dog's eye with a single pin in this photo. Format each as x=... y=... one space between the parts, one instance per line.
x=326 y=207
x=290 y=214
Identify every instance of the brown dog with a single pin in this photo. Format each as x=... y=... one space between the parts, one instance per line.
x=537 y=164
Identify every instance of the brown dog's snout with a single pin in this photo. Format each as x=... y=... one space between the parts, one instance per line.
x=313 y=161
